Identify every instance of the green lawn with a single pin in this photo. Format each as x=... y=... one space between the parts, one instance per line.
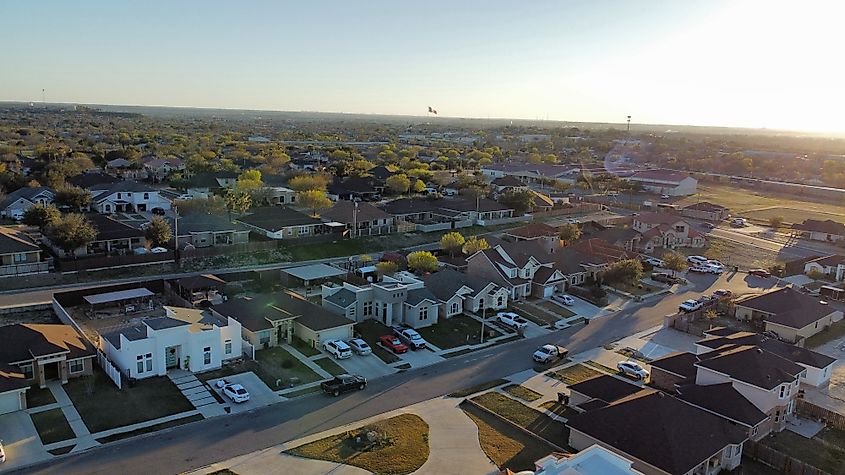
x=507 y=446
x=456 y=331
x=824 y=456
x=304 y=348
x=401 y=446
x=522 y=392
x=537 y=315
x=574 y=374
x=370 y=331
x=36 y=397
x=526 y=417
x=271 y=365
x=52 y=426
x=103 y=406
x=330 y=366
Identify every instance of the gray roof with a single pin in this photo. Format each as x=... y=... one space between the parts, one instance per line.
x=342 y=298
x=132 y=332
x=314 y=271
x=752 y=365
x=163 y=323
x=26 y=193
x=109 y=297
x=788 y=307
x=416 y=296
x=277 y=218
x=724 y=400
x=13 y=243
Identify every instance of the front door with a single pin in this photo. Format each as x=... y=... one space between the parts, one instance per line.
x=51 y=371
x=171 y=357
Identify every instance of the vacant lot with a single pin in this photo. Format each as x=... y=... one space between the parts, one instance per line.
x=103 y=406
x=401 y=446
x=574 y=374
x=524 y=416
x=456 y=331
x=732 y=253
x=52 y=426
x=741 y=200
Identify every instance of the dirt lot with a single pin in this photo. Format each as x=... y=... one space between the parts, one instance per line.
x=742 y=201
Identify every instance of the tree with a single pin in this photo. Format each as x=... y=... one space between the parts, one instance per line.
x=398 y=184
x=419 y=186
x=624 y=271
x=211 y=205
x=249 y=180
x=674 y=261
x=238 y=201
x=452 y=243
x=74 y=197
x=387 y=268
x=41 y=215
x=308 y=182
x=315 y=200
x=158 y=231
x=775 y=222
x=422 y=261
x=520 y=200
x=71 y=232
x=569 y=233
x=474 y=244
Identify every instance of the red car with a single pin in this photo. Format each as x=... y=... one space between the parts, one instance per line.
x=760 y=272
x=393 y=344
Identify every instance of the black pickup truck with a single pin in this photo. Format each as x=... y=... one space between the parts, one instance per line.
x=343 y=383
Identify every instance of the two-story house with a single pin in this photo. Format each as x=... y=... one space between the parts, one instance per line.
x=128 y=196
x=460 y=292
x=706 y=211
x=665 y=230
x=15 y=204
x=523 y=269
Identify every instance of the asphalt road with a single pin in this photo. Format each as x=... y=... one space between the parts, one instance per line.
x=201 y=443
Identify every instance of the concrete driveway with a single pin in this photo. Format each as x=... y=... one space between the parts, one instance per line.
x=20 y=441
x=420 y=358
x=369 y=366
x=582 y=308
x=259 y=394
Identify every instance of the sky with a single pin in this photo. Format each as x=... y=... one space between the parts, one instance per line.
x=743 y=63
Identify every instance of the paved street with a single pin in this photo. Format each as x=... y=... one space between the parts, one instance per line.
x=201 y=443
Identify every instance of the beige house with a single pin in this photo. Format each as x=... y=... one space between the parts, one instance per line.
x=790 y=314
x=280 y=222
x=666 y=230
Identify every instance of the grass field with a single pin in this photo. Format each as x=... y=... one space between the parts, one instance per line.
x=531 y=419
x=522 y=392
x=404 y=447
x=574 y=374
x=734 y=254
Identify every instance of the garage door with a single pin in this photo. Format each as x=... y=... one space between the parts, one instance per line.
x=342 y=333
x=10 y=402
x=548 y=291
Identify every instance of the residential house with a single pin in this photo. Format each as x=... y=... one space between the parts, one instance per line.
x=113 y=238
x=354 y=189
x=15 y=204
x=507 y=183
x=660 y=434
x=185 y=338
x=274 y=319
x=128 y=196
x=594 y=460
x=623 y=237
x=461 y=293
x=725 y=401
x=203 y=185
x=547 y=236
x=666 y=230
x=127 y=170
x=541 y=202
x=160 y=168
x=281 y=222
x=522 y=268
x=277 y=193
x=530 y=172
x=93 y=181
x=665 y=182
x=790 y=314
x=817 y=230
x=32 y=354
x=401 y=299
x=362 y=219
x=204 y=230
x=599 y=391
x=19 y=255
x=706 y=211
x=832 y=266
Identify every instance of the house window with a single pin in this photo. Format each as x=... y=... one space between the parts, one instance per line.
x=144 y=361
x=290 y=231
x=424 y=313
x=777 y=415
x=76 y=366
x=118 y=196
x=303 y=230
x=754 y=430
x=782 y=391
x=454 y=307
x=206 y=355
x=227 y=347
x=26 y=369
x=146 y=196
x=500 y=301
x=817 y=324
x=264 y=338
x=368 y=309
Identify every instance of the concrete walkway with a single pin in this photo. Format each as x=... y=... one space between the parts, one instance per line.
x=309 y=362
x=196 y=392
x=84 y=440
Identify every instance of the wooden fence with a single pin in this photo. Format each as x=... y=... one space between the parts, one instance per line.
x=812 y=411
x=778 y=460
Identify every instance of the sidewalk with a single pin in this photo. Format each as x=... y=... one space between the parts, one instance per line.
x=83 y=440
x=307 y=361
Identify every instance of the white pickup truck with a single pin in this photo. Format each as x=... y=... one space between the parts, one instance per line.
x=549 y=353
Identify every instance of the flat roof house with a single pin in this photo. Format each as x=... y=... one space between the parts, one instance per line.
x=790 y=314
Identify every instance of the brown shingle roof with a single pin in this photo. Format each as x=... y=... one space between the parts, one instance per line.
x=344 y=212
x=533 y=230
x=788 y=307
x=23 y=342
x=752 y=365
x=605 y=387
x=724 y=400
x=681 y=364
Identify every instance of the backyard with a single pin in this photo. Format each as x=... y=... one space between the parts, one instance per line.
x=272 y=365
x=400 y=446
x=824 y=451
x=103 y=406
x=456 y=331
x=52 y=426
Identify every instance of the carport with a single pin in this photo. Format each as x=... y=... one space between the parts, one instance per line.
x=310 y=276
x=120 y=297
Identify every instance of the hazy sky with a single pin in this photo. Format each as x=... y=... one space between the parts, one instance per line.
x=736 y=63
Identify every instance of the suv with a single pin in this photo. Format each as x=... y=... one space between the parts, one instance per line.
x=410 y=338
x=632 y=368
x=338 y=349
x=690 y=305
x=343 y=383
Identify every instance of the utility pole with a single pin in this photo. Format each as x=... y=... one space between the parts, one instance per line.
x=629 y=127
x=355 y=220
x=483 y=321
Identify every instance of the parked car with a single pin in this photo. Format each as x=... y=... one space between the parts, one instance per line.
x=158 y=250
x=343 y=383
x=664 y=277
x=664 y=196
x=338 y=349
x=722 y=293
x=158 y=211
x=393 y=344
x=739 y=222
x=760 y=273
x=714 y=262
x=714 y=269
x=410 y=338
x=708 y=226
x=653 y=261
x=700 y=269
x=632 y=368
x=549 y=353
x=690 y=305
x=360 y=346
x=236 y=393
x=512 y=320
x=564 y=299
x=697 y=260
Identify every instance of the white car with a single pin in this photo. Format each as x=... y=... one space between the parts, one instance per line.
x=690 y=305
x=632 y=368
x=697 y=260
x=714 y=269
x=664 y=197
x=2 y=453
x=360 y=346
x=338 y=349
x=236 y=393
x=714 y=262
x=701 y=269
x=653 y=261
x=512 y=320
x=564 y=299
x=158 y=250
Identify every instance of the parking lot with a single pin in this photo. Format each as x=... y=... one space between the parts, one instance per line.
x=259 y=394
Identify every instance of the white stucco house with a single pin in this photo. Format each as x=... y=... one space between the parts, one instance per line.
x=192 y=339
x=128 y=196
